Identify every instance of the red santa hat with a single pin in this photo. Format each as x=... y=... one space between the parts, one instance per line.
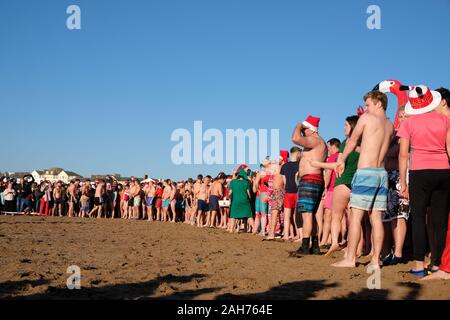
x=422 y=100
x=242 y=166
x=312 y=123
x=285 y=155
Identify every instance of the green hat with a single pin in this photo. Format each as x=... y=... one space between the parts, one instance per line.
x=242 y=173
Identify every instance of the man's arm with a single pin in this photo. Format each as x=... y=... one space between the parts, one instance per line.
x=322 y=165
x=221 y=193
x=305 y=142
x=208 y=192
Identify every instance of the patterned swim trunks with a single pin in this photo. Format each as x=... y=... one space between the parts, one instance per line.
x=276 y=199
x=310 y=193
x=397 y=206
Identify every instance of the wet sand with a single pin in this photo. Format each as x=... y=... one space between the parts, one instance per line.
x=153 y=260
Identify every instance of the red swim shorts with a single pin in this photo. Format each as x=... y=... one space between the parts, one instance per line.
x=290 y=200
x=159 y=203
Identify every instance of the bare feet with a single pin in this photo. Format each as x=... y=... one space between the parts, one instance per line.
x=438 y=275
x=344 y=264
x=375 y=264
x=333 y=248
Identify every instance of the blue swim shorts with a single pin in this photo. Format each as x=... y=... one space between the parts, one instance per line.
x=369 y=189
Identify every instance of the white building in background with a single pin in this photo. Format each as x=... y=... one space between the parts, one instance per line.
x=55 y=174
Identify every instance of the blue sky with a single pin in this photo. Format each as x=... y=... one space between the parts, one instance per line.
x=106 y=98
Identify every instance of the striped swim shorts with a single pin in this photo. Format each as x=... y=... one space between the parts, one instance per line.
x=310 y=193
x=369 y=189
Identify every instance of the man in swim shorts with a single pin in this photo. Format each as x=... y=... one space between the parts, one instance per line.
x=216 y=194
x=311 y=182
x=202 y=204
x=370 y=183
x=135 y=193
x=149 y=195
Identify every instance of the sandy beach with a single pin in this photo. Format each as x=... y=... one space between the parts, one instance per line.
x=154 y=260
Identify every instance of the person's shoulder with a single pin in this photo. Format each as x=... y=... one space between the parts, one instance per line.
x=366 y=117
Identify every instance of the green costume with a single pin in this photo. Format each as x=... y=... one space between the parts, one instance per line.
x=351 y=165
x=240 y=203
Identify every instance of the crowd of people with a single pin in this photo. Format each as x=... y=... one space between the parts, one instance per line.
x=381 y=191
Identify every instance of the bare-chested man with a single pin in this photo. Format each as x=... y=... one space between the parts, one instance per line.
x=196 y=190
x=202 y=201
x=370 y=183
x=167 y=185
x=71 y=198
x=149 y=190
x=98 y=201
x=57 y=195
x=311 y=182
x=216 y=193
x=135 y=193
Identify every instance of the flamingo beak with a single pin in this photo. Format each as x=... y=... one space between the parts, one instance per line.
x=376 y=88
x=405 y=88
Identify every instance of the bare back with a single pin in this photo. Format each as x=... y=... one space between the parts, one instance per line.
x=376 y=138
x=216 y=189
x=278 y=181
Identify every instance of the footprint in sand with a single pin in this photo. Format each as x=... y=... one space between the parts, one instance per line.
x=25 y=261
x=96 y=282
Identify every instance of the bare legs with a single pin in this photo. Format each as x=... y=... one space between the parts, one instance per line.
x=309 y=227
x=212 y=223
x=70 y=211
x=287 y=223
x=256 y=222
x=326 y=227
x=273 y=224
x=356 y=218
x=150 y=213
x=158 y=214
x=174 y=210
x=231 y=225
x=319 y=219
x=341 y=197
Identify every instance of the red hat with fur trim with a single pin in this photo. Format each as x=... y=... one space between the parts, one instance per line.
x=312 y=123
x=285 y=155
x=242 y=166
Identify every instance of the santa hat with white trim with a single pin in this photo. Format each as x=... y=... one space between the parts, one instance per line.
x=422 y=100
x=312 y=123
